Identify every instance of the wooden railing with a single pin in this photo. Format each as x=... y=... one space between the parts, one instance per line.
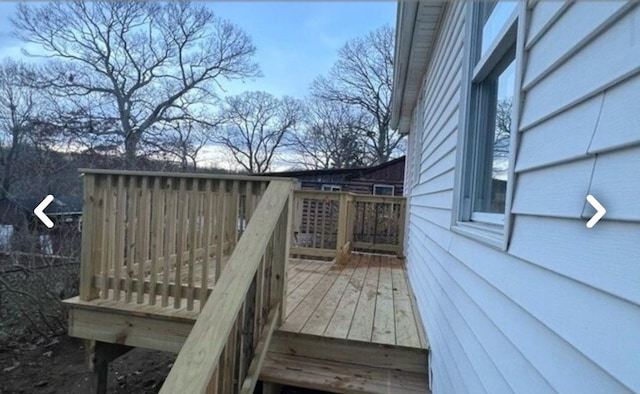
x=161 y=238
x=227 y=345
x=331 y=224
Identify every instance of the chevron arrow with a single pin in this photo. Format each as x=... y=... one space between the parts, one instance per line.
x=600 y=211
x=39 y=211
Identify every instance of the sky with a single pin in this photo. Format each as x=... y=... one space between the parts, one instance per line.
x=295 y=41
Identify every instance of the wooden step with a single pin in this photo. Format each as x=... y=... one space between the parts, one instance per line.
x=351 y=352
x=339 y=377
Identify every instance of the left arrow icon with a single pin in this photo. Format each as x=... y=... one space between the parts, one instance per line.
x=39 y=211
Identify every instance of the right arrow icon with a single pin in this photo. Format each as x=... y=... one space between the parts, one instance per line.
x=600 y=211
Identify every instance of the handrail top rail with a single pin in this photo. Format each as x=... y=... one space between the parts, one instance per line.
x=351 y=194
x=103 y=171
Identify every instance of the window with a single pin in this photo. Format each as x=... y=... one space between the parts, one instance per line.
x=415 y=141
x=383 y=190
x=331 y=188
x=486 y=160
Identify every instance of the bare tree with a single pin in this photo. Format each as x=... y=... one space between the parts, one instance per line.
x=362 y=77
x=137 y=62
x=502 y=136
x=21 y=109
x=256 y=126
x=333 y=136
x=16 y=111
x=182 y=141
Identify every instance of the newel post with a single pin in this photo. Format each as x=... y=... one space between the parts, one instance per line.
x=402 y=222
x=342 y=226
x=288 y=229
x=282 y=238
x=89 y=208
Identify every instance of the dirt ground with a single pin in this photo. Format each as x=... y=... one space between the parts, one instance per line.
x=58 y=366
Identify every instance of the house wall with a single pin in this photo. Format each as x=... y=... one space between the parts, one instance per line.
x=366 y=187
x=392 y=174
x=559 y=309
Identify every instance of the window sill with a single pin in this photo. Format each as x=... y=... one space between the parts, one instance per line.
x=487 y=234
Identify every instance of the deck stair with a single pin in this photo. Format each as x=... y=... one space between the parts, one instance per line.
x=349 y=327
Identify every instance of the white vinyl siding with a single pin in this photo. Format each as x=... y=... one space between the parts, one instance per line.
x=556 y=311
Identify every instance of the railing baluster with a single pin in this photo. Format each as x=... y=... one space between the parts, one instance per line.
x=141 y=256
x=132 y=200
x=250 y=201
x=194 y=204
x=259 y=299
x=180 y=242
x=235 y=208
x=107 y=252
x=306 y=212
x=207 y=222
x=220 y=217
x=121 y=204
x=324 y=222
x=170 y=239
x=241 y=358
x=157 y=236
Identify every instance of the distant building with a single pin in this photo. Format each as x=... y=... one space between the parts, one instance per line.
x=383 y=179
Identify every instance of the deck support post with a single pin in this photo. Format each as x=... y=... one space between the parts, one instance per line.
x=103 y=354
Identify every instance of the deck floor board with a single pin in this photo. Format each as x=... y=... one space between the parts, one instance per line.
x=297 y=267
x=303 y=270
x=319 y=320
x=384 y=323
x=367 y=299
x=362 y=323
x=306 y=286
x=309 y=304
x=341 y=320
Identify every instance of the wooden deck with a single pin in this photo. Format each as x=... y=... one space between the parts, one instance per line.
x=367 y=299
x=198 y=265
x=349 y=327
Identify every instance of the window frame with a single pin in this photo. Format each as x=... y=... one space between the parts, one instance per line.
x=381 y=185
x=418 y=129
x=492 y=229
x=329 y=187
